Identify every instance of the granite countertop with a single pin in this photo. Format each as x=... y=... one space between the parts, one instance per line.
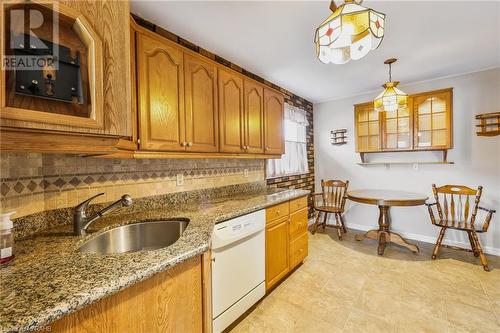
x=50 y=279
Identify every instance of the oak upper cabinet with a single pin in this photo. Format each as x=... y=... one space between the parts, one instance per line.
x=433 y=120
x=200 y=82
x=98 y=106
x=231 y=112
x=367 y=128
x=274 y=136
x=425 y=124
x=253 y=117
x=160 y=82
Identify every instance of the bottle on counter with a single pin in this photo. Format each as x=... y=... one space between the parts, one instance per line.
x=6 y=238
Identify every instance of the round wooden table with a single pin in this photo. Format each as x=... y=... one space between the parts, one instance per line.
x=385 y=199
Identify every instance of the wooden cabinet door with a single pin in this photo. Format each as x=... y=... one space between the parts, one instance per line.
x=254 y=117
x=169 y=301
x=231 y=112
x=160 y=94
x=433 y=120
x=274 y=136
x=367 y=128
x=276 y=251
x=397 y=128
x=200 y=79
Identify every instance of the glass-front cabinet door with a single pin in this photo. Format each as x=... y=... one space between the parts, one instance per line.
x=432 y=114
x=367 y=128
x=397 y=129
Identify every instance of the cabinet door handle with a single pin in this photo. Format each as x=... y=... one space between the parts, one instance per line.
x=267 y=148
x=190 y=144
x=183 y=144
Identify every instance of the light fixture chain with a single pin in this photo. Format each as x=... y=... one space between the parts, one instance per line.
x=390 y=72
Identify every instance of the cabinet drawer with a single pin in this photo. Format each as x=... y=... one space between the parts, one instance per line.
x=298 y=223
x=298 y=250
x=278 y=211
x=297 y=204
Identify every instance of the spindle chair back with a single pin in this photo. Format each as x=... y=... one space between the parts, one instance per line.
x=333 y=196
x=334 y=193
x=457 y=207
x=454 y=203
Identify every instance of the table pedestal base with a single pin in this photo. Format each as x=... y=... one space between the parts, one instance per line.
x=384 y=235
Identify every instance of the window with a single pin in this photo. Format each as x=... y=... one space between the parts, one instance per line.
x=294 y=161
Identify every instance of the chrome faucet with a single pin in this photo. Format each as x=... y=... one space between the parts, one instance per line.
x=80 y=220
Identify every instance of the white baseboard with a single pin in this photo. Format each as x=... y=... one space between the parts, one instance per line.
x=426 y=239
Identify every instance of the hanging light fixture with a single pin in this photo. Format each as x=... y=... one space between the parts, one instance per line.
x=350 y=32
x=391 y=98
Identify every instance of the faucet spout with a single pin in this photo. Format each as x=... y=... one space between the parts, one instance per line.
x=80 y=220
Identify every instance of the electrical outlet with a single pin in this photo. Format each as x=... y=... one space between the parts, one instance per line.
x=245 y=173
x=180 y=179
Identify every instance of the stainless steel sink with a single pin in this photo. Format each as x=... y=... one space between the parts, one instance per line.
x=136 y=237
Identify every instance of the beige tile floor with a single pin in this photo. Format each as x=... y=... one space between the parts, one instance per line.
x=344 y=286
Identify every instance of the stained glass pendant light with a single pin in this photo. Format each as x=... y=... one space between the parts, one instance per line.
x=350 y=32
x=391 y=98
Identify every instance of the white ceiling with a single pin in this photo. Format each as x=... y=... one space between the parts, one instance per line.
x=274 y=39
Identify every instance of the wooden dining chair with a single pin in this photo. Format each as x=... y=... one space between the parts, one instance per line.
x=453 y=203
x=331 y=200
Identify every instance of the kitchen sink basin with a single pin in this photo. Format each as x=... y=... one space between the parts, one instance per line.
x=135 y=237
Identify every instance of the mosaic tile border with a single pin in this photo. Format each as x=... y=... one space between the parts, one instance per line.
x=46 y=184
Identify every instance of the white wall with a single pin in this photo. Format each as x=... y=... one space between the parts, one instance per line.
x=477 y=159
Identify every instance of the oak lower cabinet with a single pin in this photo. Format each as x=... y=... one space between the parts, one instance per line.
x=277 y=243
x=286 y=238
x=170 y=301
x=274 y=135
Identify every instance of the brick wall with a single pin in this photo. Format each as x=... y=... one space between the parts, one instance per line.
x=301 y=181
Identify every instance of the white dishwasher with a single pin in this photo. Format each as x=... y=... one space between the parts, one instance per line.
x=238 y=267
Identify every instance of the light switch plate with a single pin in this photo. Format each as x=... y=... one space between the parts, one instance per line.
x=180 y=179
x=245 y=173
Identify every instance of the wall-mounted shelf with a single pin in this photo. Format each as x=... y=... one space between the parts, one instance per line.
x=489 y=124
x=443 y=161
x=339 y=137
x=401 y=163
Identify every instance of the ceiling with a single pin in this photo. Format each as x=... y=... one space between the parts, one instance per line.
x=274 y=39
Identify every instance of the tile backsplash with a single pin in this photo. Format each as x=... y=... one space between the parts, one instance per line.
x=31 y=183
